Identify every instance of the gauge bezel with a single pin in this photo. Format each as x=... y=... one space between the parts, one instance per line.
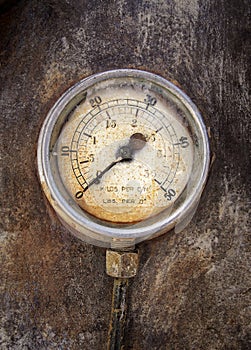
x=85 y=227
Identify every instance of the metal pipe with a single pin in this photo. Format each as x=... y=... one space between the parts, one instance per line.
x=121 y=265
x=118 y=314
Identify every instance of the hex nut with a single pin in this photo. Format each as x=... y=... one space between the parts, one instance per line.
x=121 y=264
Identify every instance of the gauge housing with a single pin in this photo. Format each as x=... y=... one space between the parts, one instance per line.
x=96 y=230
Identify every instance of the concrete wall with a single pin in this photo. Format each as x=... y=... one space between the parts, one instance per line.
x=192 y=290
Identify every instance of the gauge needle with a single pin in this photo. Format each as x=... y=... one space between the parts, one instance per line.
x=100 y=175
x=125 y=154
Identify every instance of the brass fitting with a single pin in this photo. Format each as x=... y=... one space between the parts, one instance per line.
x=121 y=264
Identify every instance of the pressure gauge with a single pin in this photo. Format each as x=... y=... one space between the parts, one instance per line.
x=123 y=157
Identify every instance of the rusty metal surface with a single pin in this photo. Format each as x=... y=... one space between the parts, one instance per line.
x=192 y=289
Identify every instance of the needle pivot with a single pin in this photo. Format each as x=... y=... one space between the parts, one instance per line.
x=137 y=141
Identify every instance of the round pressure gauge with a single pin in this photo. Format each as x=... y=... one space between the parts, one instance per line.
x=122 y=157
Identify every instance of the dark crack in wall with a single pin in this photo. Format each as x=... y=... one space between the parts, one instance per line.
x=193 y=288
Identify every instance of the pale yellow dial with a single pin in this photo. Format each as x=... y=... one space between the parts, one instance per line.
x=124 y=159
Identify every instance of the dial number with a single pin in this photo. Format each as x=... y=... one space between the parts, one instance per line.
x=170 y=194
x=94 y=102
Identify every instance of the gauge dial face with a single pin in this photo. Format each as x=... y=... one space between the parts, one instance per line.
x=124 y=159
x=123 y=148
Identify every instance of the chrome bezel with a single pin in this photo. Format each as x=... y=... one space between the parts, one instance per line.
x=86 y=228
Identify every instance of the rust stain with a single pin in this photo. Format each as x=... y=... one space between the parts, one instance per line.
x=39 y=265
x=53 y=79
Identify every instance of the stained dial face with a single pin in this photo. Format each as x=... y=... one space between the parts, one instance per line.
x=125 y=152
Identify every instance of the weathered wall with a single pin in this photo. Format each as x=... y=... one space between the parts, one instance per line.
x=192 y=290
